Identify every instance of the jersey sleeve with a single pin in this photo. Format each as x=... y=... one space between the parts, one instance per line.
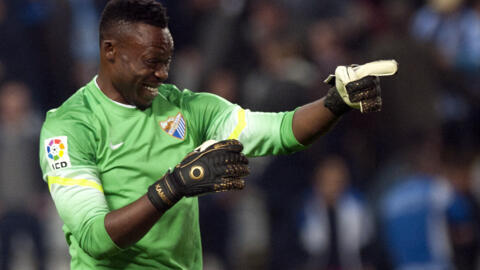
x=261 y=133
x=67 y=160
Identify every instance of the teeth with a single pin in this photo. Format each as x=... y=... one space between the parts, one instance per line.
x=152 y=90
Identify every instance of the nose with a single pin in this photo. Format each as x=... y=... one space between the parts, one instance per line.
x=161 y=73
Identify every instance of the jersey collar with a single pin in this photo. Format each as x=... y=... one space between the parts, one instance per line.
x=116 y=102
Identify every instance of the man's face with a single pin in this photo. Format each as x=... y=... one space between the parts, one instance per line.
x=141 y=63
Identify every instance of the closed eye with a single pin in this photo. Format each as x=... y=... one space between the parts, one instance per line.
x=156 y=61
x=152 y=61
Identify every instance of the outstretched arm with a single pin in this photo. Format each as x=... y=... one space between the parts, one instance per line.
x=355 y=87
x=312 y=121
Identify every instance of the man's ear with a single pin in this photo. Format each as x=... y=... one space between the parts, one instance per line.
x=108 y=49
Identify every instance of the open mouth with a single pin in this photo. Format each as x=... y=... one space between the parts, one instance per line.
x=151 y=90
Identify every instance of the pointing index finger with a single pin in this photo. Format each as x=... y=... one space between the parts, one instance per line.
x=377 y=68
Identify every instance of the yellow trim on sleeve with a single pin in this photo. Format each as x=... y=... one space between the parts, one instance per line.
x=73 y=182
x=242 y=123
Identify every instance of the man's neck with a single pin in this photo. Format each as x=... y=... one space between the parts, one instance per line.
x=108 y=90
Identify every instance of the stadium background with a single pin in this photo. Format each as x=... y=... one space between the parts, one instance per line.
x=271 y=56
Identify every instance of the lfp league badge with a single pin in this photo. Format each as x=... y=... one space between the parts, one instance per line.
x=175 y=126
x=56 y=150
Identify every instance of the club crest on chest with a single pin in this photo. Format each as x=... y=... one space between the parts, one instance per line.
x=175 y=126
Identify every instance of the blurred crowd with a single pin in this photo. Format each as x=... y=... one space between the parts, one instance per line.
x=398 y=189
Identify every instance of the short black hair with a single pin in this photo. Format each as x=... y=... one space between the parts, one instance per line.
x=132 y=11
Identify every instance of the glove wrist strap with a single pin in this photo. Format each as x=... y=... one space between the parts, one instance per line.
x=333 y=102
x=163 y=194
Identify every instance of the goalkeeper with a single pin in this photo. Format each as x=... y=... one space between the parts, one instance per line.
x=119 y=158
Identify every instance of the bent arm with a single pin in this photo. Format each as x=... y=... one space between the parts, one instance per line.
x=129 y=224
x=99 y=231
x=78 y=194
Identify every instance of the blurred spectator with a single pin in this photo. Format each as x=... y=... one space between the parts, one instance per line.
x=411 y=99
x=337 y=226
x=186 y=70
x=212 y=30
x=215 y=222
x=20 y=21
x=453 y=28
x=234 y=230
x=326 y=47
x=216 y=38
x=21 y=193
x=84 y=39
x=34 y=47
x=249 y=246
x=419 y=212
x=223 y=82
x=457 y=168
x=283 y=182
x=267 y=20
x=281 y=79
x=307 y=10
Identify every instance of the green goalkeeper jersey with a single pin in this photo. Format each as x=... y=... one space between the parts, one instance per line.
x=98 y=155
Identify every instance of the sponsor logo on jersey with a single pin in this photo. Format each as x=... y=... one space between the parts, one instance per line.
x=56 y=150
x=175 y=126
x=115 y=146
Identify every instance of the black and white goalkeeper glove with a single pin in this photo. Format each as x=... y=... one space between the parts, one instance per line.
x=358 y=86
x=212 y=167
